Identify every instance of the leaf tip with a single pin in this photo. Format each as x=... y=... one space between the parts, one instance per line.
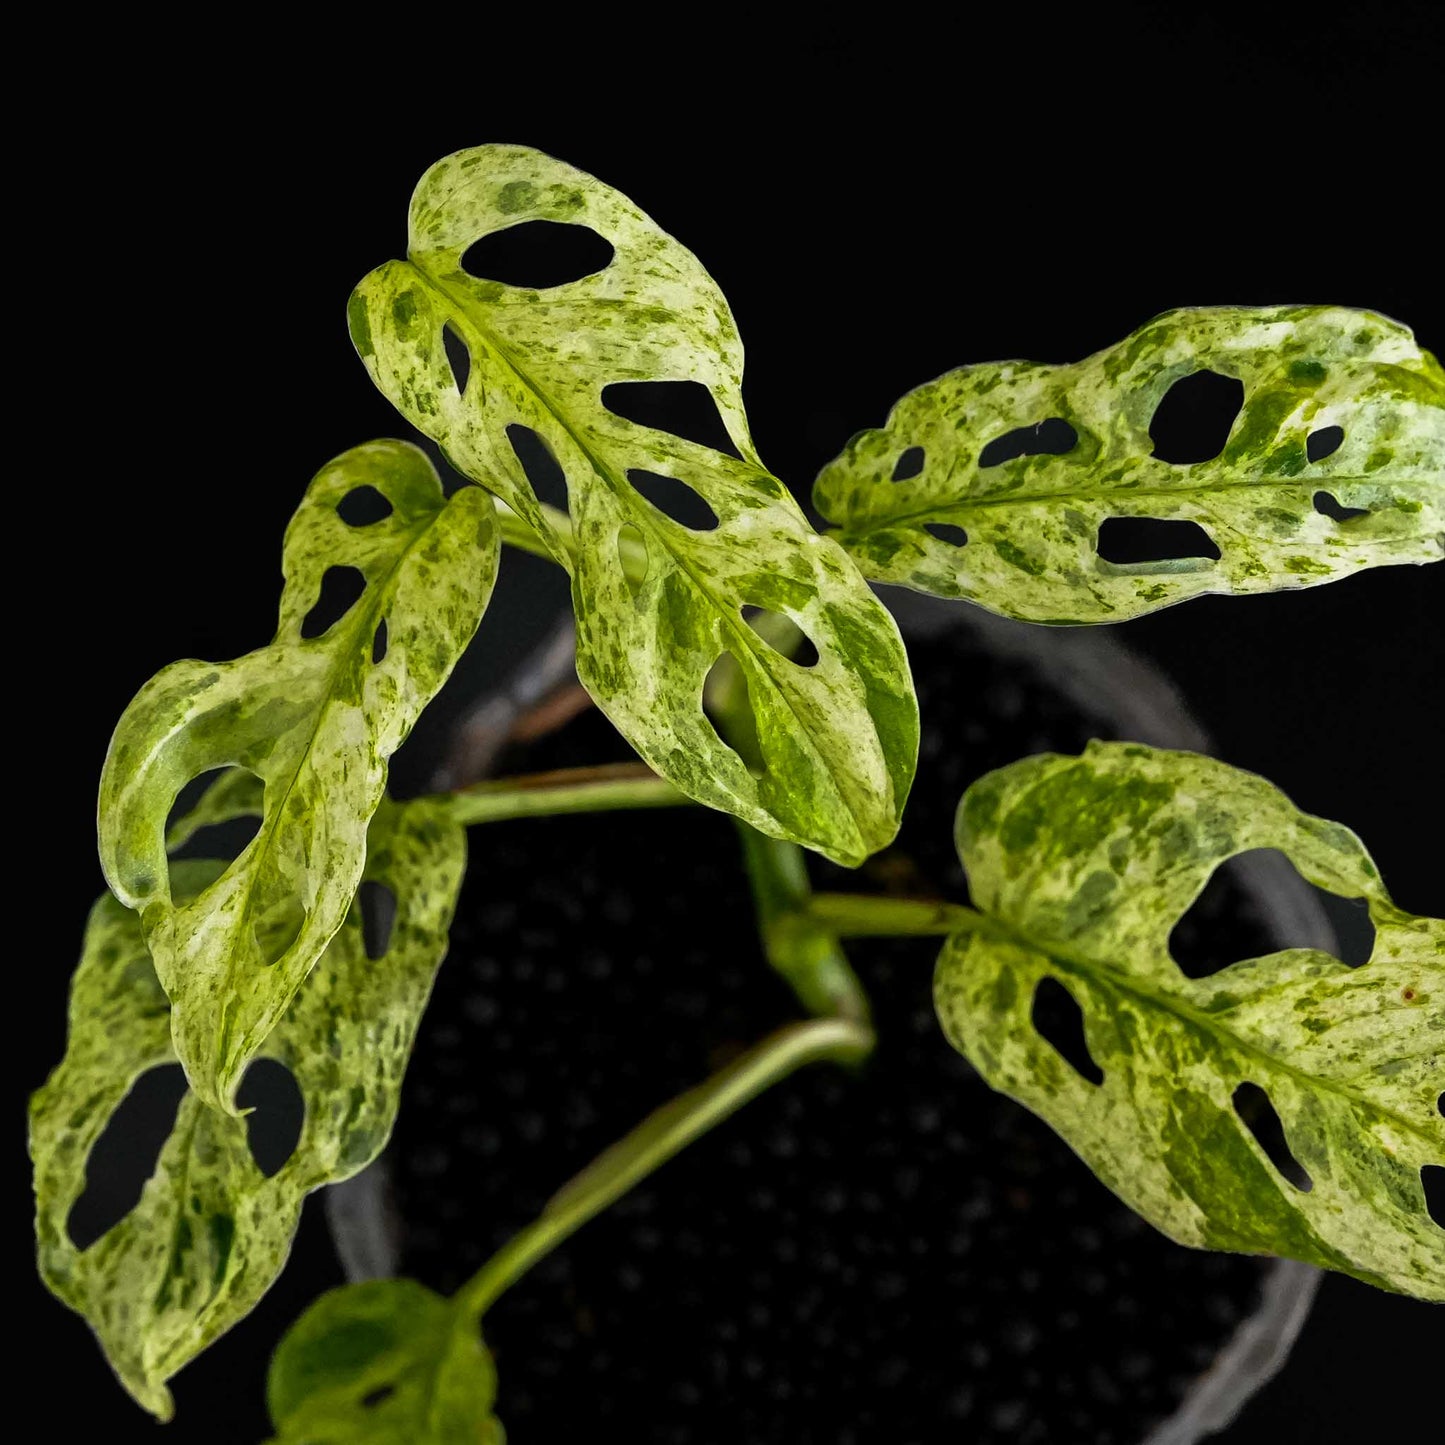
x=149 y=1392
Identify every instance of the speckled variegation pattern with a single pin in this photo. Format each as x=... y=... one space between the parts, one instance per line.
x=211 y=1232
x=1087 y=863
x=839 y=739
x=316 y=721
x=1032 y=524
x=420 y=1362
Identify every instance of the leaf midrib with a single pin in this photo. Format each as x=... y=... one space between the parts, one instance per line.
x=737 y=629
x=1065 y=497
x=340 y=648
x=1206 y=1022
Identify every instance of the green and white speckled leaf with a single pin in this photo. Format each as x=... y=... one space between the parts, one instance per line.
x=316 y=720
x=839 y=738
x=211 y=1232
x=385 y=1362
x=1086 y=864
x=1032 y=524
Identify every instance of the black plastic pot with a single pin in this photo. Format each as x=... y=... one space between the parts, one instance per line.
x=1088 y=672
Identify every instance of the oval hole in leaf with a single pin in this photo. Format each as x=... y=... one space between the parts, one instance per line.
x=226 y=839
x=273 y=1127
x=378 y=913
x=1432 y=1180
x=686 y=409
x=1059 y=1020
x=363 y=507
x=949 y=532
x=459 y=356
x=378 y=643
x=1259 y=1116
x=192 y=793
x=726 y=682
x=674 y=499
x=1194 y=418
x=341 y=589
x=1051 y=437
x=125 y=1155
x=1324 y=442
x=1140 y=541
x=909 y=465
x=538 y=254
x=1335 y=510
x=544 y=472
x=631 y=544
x=1222 y=925
x=775 y=628
x=378 y=1396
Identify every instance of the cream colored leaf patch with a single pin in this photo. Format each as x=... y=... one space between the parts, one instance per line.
x=1084 y=865
x=211 y=1231
x=1008 y=483
x=519 y=384
x=314 y=717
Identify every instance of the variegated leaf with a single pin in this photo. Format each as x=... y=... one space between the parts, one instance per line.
x=211 y=1231
x=315 y=720
x=384 y=1362
x=838 y=738
x=1085 y=864
x=1022 y=536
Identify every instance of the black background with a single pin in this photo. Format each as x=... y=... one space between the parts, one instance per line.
x=879 y=205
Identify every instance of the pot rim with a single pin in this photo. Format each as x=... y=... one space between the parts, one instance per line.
x=1100 y=675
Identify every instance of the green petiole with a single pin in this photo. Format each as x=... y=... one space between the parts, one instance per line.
x=801 y=948
x=569 y=790
x=652 y=1143
x=516 y=533
x=859 y=915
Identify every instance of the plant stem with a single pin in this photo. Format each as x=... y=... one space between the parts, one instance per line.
x=517 y=533
x=859 y=915
x=804 y=951
x=661 y=1135
x=807 y=955
x=568 y=790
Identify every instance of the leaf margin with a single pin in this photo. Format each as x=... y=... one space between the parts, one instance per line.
x=643 y=650
x=1043 y=565
x=985 y=981
x=193 y=716
x=347 y=1058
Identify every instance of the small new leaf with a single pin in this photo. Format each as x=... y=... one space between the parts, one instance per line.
x=1085 y=864
x=838 y=739
x=385 y=1362
x=315 y=719
x=211 y=1232
x=1022 y=536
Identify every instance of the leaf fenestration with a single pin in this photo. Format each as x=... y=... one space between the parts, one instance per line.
x=211 y=1231
x=1033 y=521
x=316 y=720
x=1085 y=864
x=384 y=1362
x=839 y=739
x=236 y=793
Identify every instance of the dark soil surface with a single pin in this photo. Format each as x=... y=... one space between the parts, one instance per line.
x=898 y=1255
